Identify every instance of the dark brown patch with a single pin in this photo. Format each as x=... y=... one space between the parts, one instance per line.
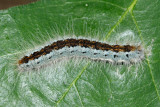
x=77 y=42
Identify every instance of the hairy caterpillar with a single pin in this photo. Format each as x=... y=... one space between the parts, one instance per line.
x=96 y=50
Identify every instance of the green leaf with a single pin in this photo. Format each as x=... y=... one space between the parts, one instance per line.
x=84 y=83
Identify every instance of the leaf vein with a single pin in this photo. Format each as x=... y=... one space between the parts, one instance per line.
x=78 y=95
x=121 y=19
x=148 y=62
x=73 y=82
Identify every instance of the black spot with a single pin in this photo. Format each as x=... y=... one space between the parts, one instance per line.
x=115 y=56
x=127 y=55
x=122 y=63
x=72 y=51
x=95 y=53
x=61 y=53
x=27 y=65
x=50 y=57
x=84 y=52
x=105 y=55
x=38 y=62
x=138 y=52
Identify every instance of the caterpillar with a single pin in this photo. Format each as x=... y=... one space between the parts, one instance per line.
x=96 y=50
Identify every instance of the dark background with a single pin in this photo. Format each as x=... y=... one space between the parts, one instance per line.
x=4 y=4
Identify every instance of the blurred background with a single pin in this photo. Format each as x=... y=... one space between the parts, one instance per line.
x=4 y=4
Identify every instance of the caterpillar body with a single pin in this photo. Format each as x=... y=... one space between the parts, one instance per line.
x=71 y=47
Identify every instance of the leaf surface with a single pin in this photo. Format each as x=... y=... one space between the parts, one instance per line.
x=80 y=82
